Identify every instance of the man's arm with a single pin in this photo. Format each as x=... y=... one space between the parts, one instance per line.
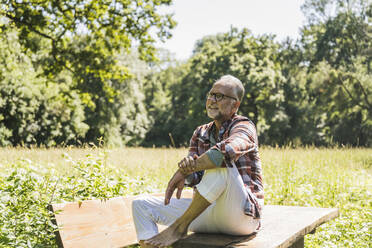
x=190 y=164
x=177 y=181
x=186 y=167
x=242 y=140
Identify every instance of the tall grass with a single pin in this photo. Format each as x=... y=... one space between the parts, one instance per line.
x=305 y=177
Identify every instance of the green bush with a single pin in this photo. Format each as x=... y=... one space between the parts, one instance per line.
x=26 y=190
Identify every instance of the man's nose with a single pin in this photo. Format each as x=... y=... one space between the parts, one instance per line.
x=212 y=99
x=212 y=103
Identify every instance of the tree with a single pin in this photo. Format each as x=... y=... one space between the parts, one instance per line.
x=90 y=43
x=160 y=90
x=253 y=61
x=105 y=28
x=337 y=44
x=33 y=111
x=124 y=119
x=302 y=120
x=343 y=99
x=337 y=31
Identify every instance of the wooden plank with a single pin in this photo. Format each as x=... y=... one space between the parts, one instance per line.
x=282 y=227
x=209 y=240
x=109 y=224
x=97 y=223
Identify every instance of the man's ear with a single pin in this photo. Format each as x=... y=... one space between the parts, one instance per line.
x=236 y=106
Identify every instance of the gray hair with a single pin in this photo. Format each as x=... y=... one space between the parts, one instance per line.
x=239 y=88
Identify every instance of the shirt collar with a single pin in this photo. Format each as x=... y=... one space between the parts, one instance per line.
x=211 y=127
x=227 y=123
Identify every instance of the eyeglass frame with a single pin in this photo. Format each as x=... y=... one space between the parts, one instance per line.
x=214 y=96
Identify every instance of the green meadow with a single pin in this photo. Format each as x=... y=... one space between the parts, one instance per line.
x=30 y=179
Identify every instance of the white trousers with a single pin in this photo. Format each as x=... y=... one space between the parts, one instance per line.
x=222 y=187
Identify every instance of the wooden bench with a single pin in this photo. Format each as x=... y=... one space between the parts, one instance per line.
x=109 y=223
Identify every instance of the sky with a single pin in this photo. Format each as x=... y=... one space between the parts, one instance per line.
x=198 y=18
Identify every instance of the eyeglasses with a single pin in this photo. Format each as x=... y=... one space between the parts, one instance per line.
x=218 y=96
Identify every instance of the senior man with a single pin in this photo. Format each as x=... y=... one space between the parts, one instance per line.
x=223 y=166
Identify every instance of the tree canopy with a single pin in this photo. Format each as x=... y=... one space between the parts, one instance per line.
x=90 y=47
x=83 y=37
x=76 y=72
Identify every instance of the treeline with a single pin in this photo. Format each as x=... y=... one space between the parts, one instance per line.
x=77 y=72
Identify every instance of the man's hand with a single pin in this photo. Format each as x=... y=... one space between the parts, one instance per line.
x=177 y=181
x=188 y=165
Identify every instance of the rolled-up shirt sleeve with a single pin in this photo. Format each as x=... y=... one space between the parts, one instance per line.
x=215 y=156
x=242 y=140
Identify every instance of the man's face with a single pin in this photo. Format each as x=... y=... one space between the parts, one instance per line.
x=222 y=110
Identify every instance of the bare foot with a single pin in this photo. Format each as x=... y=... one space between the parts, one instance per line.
x=143 y=245
x=167 y=237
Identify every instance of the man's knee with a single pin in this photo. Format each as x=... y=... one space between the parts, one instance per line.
x=140 y=204
x=137 y=202
x=218 y=174
x=213 y=184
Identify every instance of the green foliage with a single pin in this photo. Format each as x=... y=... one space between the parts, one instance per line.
x=26 y=190
x=292 y=97
x=78 y=72
x=36 y=110
x=160 y=88
x=303 y=124
x=81 y=51
x=313 y=91
x=239 y=53
x=337 y=48
x=122 y=119
x=337 y=31
x=33 y=111
x=26 y=221
x=108 y=26
x=325 y=178
x=344 y=96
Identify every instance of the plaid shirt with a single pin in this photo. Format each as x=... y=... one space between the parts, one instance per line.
x=237 y=141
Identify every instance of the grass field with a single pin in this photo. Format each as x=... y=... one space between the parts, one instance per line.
x=339 y=178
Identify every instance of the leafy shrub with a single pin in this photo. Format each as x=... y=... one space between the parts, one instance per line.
x=26 y=222
x=26 y=190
